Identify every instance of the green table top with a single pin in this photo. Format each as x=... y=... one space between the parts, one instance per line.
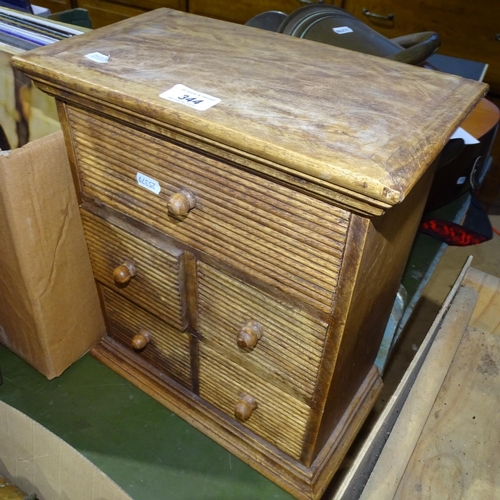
x=145 y=448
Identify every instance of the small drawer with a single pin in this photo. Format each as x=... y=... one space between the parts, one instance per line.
x=284 y=238
x=259 y=332
x=155 y=342
x=249 y=398
x=149 y=276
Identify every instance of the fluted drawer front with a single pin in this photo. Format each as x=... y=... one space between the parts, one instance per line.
x=164 y=348
x=158 y=274
x=288 y=344
x=284 y=238
x=277 y=417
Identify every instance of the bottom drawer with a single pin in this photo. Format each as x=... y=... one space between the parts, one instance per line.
x=272 y=414
x=160 y=345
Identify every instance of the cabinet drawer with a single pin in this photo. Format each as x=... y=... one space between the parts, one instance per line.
x=242 y=11
x=278 y=417
x=282 y=237
x=116 y=255
x=467 y=31
x=259 y=332
x=103 y=13
x=160 y=345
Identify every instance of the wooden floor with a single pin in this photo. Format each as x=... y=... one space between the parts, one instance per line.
x=444 y=443
x=438 y=435
x=458 y=454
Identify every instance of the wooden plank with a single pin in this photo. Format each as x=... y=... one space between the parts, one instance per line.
x=354 y=482
x=486 y=314
x=457 y=455
x=392 y=462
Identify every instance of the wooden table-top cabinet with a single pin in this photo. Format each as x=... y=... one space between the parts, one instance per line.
x=249 y=201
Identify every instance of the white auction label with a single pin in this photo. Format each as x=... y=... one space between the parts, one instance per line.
x=97 y=57
x=148 y=183
x=189 y=97
x=342 y=30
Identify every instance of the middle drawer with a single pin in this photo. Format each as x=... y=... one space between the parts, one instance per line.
x=151 y=277
x=259 y=332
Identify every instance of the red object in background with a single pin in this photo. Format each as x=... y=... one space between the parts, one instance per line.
x=460 y=171
x=475 y=229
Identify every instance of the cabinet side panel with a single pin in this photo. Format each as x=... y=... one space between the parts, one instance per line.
x=386 y=251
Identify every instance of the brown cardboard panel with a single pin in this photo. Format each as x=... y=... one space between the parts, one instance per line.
x=49 y=309
x=38 y=461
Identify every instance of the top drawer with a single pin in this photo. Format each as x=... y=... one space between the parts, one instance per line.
x=284 y=238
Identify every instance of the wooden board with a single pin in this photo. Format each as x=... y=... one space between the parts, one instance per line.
x=458 y=452
x=444 y=443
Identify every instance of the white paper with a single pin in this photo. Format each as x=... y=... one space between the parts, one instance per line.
x=189 y=97
x=148 y=183
x=98 y=57
x=342 y=30
x=460 y=133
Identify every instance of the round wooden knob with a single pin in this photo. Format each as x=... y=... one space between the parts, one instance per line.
x=124 y=273
x=141 y=340
x=181 y=203
x=245 y=407
x=249 y=335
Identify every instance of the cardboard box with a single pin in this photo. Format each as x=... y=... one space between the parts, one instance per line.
x=38 y=461
x=49 y=309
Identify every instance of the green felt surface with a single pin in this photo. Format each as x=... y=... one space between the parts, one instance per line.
x=150 y=452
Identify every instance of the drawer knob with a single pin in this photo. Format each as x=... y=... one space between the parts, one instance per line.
x=141 y=340
x=124 y=273
x=249 y=335
x=244 y=407
x=181 y=203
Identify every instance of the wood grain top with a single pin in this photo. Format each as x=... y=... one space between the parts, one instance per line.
x=366 y=124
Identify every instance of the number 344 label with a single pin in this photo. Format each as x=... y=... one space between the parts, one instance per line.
x=189 y=97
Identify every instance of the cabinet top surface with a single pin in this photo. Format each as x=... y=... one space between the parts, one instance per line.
x=362 y=123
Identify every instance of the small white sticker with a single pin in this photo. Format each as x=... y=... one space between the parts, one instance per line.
x=189 y=97
x=98 y=57
x=148 y=183
x=461 y=180
x=342 y=30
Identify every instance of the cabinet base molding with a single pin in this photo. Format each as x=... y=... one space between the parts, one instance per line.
x=305 y=483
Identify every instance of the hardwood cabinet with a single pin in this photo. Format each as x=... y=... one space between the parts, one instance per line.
x=55 y=5
x=242 y=11
x=468 y=30
x=248 y=253
x=102 y=13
